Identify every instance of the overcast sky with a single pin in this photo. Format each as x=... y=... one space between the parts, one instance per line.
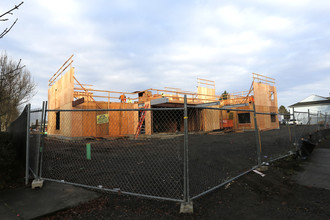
x=134 y=45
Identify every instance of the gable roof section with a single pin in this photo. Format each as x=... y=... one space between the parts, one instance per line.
x=312 y=100
x=313 y=97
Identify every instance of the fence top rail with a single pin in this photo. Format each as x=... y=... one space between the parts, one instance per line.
x=222 y=109
x=155 y=109
x=113 y=110
x=284 y=114
x=233 y=109
x=36 y=110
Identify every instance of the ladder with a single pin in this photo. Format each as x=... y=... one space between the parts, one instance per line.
x=139 y=127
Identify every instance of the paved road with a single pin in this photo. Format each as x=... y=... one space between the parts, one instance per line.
x=25 y=203
x=317 y=167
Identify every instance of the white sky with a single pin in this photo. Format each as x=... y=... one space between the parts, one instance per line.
x=134 y=45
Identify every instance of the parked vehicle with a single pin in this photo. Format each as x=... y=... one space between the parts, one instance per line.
x=284 y=121
x=294 y=122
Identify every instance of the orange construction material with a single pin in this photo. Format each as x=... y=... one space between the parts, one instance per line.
x=227 y=123
x=143 y=115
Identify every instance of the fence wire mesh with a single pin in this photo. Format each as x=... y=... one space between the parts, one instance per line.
x=35 y=141
x=277 y=142
x=141 y=152
x=307 y=124
x=101 y=149
x=217 y=155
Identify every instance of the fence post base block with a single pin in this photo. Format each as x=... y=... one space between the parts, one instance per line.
x=186 y=207
x=262 y=168
x=37 y=183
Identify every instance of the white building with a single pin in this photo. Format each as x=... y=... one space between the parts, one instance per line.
x=317 y=106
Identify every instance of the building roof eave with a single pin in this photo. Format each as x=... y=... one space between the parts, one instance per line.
x=301 y=104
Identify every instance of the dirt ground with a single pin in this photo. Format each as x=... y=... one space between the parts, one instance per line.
x=275 y=196
x=154 y=167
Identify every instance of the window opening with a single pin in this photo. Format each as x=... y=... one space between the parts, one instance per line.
x=58 y=120
x=244 y=118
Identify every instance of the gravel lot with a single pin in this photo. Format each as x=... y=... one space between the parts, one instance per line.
x=275 y=196
x=155 y=167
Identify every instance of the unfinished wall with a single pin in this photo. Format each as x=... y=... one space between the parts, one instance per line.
x=60 y=96
x=265 y=98
x=61 y=93
x=120 y=123
x=244 y=126
x=210 y=120
x=207 y=94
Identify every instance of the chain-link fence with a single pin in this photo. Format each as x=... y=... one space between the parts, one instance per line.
x=175 y=154
x=35 y=140
x=104 y=150
x=27 y=130
x=218 y=153
x=114 y=150
x=276 y=143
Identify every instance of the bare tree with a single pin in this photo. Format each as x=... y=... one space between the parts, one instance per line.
x=6 y=19
x=16 y=88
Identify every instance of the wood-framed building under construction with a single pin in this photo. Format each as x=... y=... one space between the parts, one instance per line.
x=67 y=93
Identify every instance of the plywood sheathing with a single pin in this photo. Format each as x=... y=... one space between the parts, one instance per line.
x=206 y=90
x=210 y=119
x=77 y=124
x=121 y=123
x=148 y=120
x=206 y=94
x=265 y=97
x=61 y=92
x=60 y=96
x=263 y=93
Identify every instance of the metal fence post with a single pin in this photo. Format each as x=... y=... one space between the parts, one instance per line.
x=258 y=141
x=317 y=119
x=308 y=117
x=28 y=108
x=38 y=182
x=43 y=122
x=186 y=206
x=39 y=143
x=294 y=129
x=325 y=121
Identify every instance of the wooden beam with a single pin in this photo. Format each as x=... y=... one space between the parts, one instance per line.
x=206 y=80
x=77 y=102
x=61 y=72
x=263 y=76
x=86 y=91
x=84 y=84
x=206 y=84
x=60 y=69
x=177 y=89
x=264 y=80
x=97 y=90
